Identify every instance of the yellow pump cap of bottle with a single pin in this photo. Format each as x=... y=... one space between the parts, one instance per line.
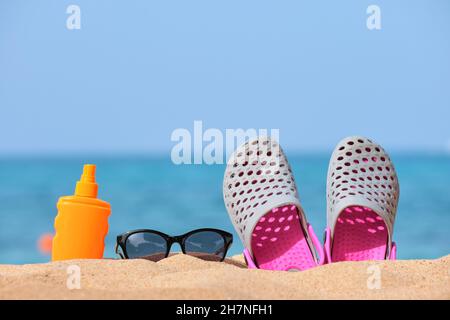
x=86 y=186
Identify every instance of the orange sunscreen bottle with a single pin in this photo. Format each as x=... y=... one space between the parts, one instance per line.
x=82 y=221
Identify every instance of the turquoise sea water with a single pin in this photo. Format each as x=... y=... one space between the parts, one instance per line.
x=151 y=192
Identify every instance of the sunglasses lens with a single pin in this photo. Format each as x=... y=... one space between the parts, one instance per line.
x=207 y=245
x=146 y=245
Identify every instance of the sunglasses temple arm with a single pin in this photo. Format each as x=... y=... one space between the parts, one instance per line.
x=224 y=249
x=117 y=251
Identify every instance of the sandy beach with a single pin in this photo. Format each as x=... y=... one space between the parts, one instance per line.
x=184 y=277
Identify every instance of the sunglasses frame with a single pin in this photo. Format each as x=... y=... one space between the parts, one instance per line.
x=170 y=240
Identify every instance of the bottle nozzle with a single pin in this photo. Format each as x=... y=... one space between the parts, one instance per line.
x=86 y=186
x=88 y=173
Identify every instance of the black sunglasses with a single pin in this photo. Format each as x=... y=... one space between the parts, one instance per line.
x=207 y=244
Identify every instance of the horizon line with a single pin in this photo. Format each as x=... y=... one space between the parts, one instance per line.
x=164 y=153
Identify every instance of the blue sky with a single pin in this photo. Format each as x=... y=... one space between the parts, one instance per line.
x=137 y=70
